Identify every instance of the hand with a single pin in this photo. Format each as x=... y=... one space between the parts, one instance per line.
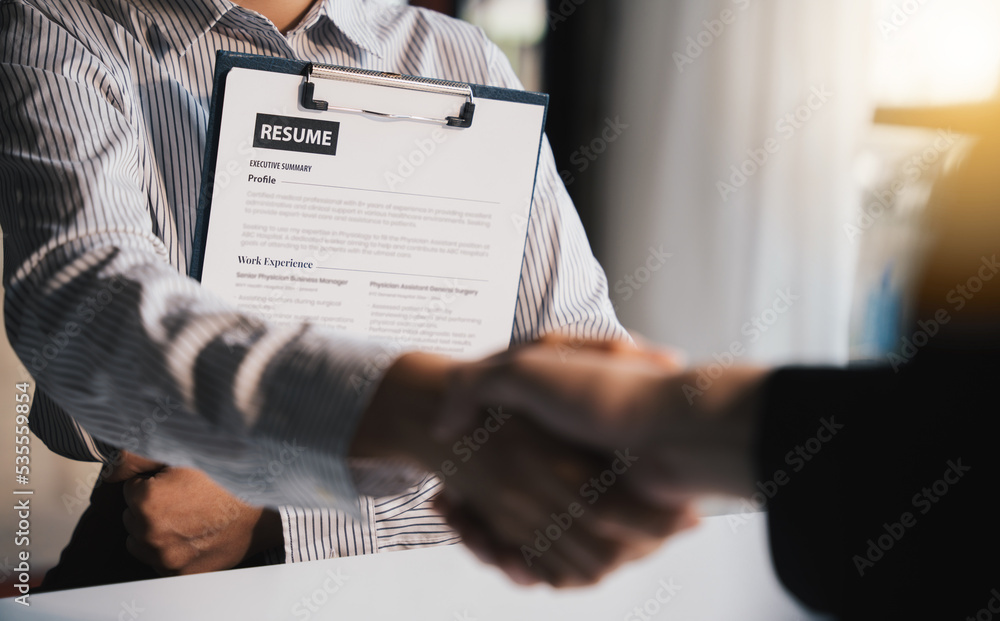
x=603 y=394
x=504 y=492
x=180 y=522
x=545 y=511
x=695 y=440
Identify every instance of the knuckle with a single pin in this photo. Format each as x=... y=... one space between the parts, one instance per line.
x=172 y=559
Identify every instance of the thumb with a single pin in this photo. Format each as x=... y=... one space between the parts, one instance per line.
x=128 y=465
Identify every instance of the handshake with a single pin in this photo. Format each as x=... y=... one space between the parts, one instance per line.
x=561 y=459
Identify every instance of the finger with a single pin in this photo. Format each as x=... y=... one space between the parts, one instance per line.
x=580 y=558
x=505 y=379
x=641 y=543
x=560 y=340
x=144 y=553
x=586 y=554
x=689 y=518
x=618 y=514
x=515 y=515
x=595 y=555
x=135 y=525
x=671 y=356
x=637 y=549
x=512 y=563
x=486 y=547
x=472 y=536
x=665 y=355
x=545 y=468
x=135 y=491
x=527 y=385
x=562 y=570
x=660 y=483
x=127 y=465
x=487 y=538
x=540 y=484
x=584 y=559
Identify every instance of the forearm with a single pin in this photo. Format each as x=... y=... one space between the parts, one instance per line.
x=709 y=432
x=397 y=423
x=100 y=312
x=157 y=366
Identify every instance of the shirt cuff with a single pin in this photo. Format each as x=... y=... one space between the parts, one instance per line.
x=317 y=534
x=312 y=388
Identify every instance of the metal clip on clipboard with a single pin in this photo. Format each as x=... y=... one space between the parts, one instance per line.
x=380 y=78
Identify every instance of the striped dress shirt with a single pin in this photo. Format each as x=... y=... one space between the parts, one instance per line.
x=103 y=113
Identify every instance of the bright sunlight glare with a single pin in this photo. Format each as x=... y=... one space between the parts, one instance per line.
x=936 y=51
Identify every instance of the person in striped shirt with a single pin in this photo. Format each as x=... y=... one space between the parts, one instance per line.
x=103 y=115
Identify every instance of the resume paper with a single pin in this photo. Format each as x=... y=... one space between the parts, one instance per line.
x=399 y=230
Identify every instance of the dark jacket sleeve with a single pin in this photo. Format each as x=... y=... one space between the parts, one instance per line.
x=885 y=481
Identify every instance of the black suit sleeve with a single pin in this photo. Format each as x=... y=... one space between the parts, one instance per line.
x=887 y=485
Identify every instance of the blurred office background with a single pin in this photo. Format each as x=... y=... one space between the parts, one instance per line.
x=697 y=90
x=735 y=136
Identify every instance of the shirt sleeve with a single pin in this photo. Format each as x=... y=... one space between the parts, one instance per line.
x=139 y=355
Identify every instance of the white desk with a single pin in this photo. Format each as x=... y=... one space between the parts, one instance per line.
x=722 y=574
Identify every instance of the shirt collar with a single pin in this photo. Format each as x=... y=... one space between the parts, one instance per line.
x=190 y=19
x=181 y=22
x=357 y=19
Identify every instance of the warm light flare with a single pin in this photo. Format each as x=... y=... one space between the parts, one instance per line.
x=934 y=52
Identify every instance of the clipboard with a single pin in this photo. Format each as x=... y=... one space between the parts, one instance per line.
x=324 y=107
